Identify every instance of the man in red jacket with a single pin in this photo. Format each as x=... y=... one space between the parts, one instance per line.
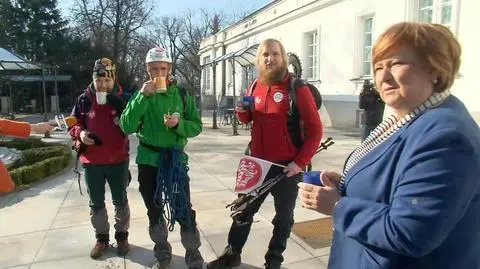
x=271 y=141
x=105 y=157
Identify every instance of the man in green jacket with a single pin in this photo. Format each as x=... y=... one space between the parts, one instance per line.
x=163 y=115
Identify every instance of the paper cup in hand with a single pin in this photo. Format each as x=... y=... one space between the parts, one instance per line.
x=101 y=98
x=160 y=84
x=312 y=177
x=248 y=103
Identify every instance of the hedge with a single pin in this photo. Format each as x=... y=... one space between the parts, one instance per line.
x=31 y=173
x=31 y=156
x=23 y=144
x=40 y=160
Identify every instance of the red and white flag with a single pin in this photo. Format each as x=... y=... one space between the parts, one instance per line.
x=251 y=173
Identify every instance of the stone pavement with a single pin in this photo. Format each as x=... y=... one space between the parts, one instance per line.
x=47 y=225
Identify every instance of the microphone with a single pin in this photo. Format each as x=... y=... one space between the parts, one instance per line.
x=70 y=121
x=63 y=123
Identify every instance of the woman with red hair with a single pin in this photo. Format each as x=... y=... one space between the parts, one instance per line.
x=409 y=195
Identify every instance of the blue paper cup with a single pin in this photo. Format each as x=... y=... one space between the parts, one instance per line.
x=248 y=102
x=312 y=177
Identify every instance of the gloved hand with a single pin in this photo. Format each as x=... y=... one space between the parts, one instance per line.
x=117 y=102
x=95 y=139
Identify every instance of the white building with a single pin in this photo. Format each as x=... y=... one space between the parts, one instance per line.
x=333 y=39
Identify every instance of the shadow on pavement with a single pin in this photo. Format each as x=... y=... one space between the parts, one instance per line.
x=145 y=257
x=64 y=177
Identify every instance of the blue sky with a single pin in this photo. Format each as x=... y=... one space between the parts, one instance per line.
x=177 y=6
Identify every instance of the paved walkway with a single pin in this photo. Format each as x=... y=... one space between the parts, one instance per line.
x=47 y=225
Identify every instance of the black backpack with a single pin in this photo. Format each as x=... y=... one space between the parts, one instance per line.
x=293 y=122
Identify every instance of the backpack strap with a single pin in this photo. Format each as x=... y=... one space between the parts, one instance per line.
x=183 y=95
x=252 y=87
x=293 y=86
x=293 y=122
x=292 y=93
x=85 y=103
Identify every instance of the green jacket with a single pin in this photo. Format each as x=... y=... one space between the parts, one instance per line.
x=150 y=111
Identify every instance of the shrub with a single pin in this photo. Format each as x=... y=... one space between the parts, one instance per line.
x=16 y=176
x=33 y=173
x=23 y=144
x=31 y=156
x=40 y=162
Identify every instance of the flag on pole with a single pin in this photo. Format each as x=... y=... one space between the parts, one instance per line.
x=251 y=174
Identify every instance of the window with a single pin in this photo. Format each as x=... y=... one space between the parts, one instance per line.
x=368 y=24
x=311 y=48
x=435 y=11
x=206 y=76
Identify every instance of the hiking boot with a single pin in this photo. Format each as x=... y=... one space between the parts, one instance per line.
x=225 y=261
x=99 y=249
x=122 y=243
x=193 y=259
x=160 y=266
x=268 y=266
x=122 y=247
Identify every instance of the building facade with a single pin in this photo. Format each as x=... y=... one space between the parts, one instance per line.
x=333 y=41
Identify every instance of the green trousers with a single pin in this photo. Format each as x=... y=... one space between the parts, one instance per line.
x=117 y=177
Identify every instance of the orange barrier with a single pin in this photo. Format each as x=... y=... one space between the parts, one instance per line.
x=11 y=128
x=6 y=182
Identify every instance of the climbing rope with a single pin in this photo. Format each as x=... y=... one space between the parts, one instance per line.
x=170 y=194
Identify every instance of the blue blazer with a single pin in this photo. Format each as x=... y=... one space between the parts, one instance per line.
x=414 y=201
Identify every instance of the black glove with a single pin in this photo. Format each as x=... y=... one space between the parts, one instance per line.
x=117 y=102
x=95 y=139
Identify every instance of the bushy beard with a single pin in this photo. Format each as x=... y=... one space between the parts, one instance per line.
x=272 y=76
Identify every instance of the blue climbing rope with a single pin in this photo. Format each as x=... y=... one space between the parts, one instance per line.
x=170 y=194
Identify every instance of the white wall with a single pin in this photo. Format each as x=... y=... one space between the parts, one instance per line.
x=467 y=87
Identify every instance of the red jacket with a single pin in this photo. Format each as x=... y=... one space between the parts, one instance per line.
x=103 y=121
x=270 y=137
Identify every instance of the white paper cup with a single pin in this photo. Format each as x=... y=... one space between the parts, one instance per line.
x=101 y=98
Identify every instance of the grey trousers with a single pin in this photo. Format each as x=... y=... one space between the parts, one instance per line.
x=158 y=231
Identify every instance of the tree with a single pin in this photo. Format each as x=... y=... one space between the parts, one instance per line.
x=113 y=26
x=167 y=33
x=7 y=37
x=38 y=28
x=216 y=24
x=182 y=35
x=135 y=63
